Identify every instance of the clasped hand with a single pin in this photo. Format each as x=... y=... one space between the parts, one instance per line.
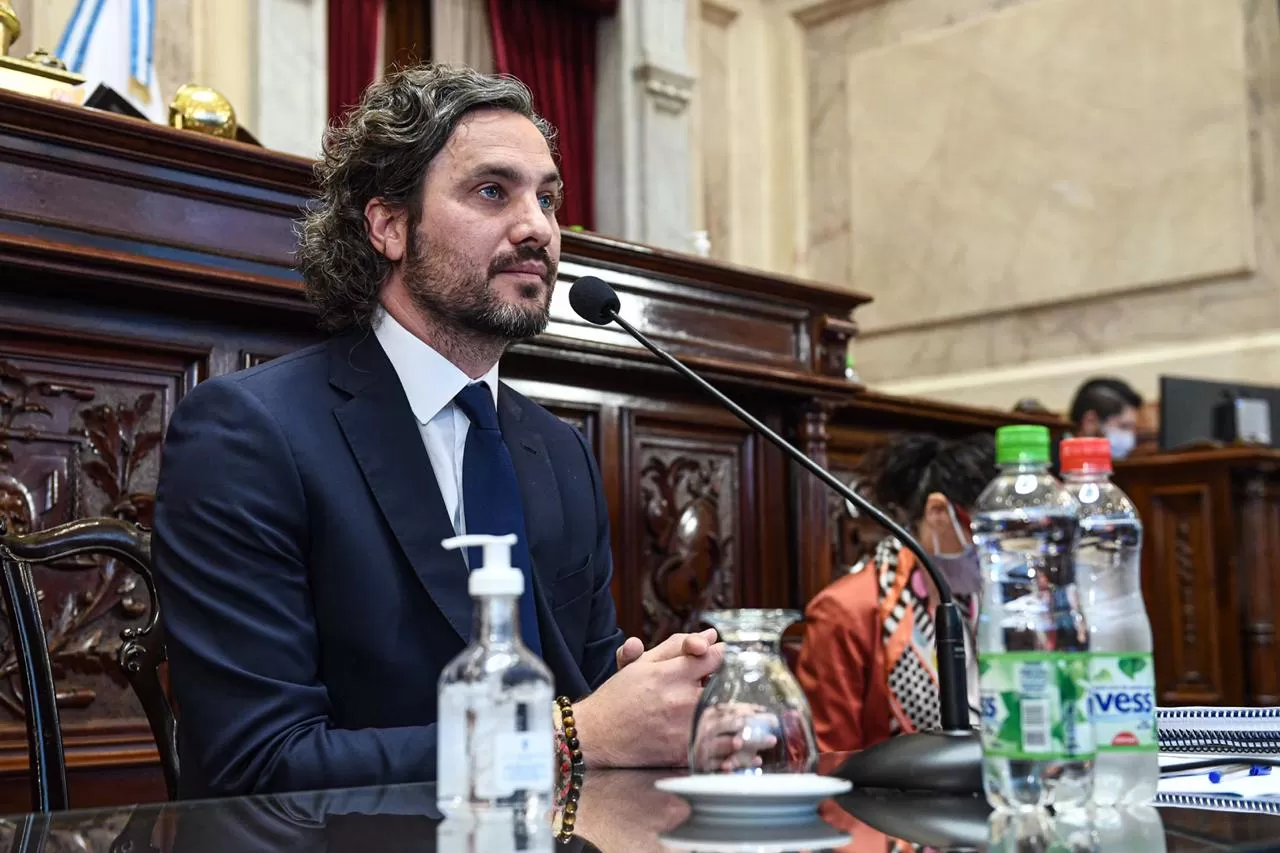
x=641 y=717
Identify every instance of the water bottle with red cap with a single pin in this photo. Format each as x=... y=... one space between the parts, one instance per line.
x=1121 y=669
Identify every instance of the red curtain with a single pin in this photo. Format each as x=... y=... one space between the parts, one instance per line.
x=353 y=52
x=551 y=46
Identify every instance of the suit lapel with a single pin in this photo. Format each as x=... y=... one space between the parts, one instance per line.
x=539 y=490
x=387 y=444
x=544 y=520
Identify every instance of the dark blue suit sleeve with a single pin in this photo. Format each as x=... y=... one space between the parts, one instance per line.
x=230 y=551
x=600 y=656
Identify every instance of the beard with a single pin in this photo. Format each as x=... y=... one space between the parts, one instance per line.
x=440 y=287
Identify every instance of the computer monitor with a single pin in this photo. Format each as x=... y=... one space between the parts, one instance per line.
x=1202 y=410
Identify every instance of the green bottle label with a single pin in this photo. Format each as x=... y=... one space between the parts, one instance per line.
x=1122 y=701
x=1035 y=706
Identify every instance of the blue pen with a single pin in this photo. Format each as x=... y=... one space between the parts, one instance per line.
x=1217 y=776
x=1260 y=770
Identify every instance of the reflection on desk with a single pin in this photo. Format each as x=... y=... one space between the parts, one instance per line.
x=618 y=811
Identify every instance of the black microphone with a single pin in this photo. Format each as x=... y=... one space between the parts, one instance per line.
x=949 y=761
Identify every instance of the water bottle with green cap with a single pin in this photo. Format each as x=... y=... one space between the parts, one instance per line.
x=1033 y=641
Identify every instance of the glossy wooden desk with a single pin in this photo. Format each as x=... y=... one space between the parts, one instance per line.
x=618 y=811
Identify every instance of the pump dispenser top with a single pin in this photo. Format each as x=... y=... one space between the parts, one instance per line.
x=495 y=699
x=495 y=575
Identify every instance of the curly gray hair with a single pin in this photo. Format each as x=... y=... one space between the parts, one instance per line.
x=382 y=151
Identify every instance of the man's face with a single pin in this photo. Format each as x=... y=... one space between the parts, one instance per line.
x=485 y=252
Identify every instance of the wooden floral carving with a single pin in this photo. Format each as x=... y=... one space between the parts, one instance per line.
x=85 y=600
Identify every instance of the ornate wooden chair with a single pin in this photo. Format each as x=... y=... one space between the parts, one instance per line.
x=140 y=656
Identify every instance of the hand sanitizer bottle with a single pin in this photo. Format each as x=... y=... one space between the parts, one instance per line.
x=495 y=736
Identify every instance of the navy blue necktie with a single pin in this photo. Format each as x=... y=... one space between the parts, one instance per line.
x=491 y=496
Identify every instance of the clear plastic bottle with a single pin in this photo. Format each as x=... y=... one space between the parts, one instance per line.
x=1121 y=668
x=495 y=736
x=494 y=830
x=1133 y=829
x=1033 y=640
x=1039 y=831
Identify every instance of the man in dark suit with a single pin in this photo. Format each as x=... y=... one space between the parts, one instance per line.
x=308 y=604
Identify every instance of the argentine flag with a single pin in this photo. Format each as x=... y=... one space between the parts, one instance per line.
x=113 y=42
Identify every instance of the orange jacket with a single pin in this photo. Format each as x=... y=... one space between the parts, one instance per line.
x=841 y=665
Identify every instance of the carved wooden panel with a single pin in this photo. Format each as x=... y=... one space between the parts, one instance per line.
x=1183 y=596
x=80 y=433
x=686 y=529
x=1257 y=500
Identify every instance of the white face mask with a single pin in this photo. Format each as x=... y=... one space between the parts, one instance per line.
x=962 y=570
x=1122 y=441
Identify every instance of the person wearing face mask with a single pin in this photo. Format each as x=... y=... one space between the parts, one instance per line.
x=1108 y=408
x=868 y=662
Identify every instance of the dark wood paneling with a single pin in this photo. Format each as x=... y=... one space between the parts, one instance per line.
x=172 y=220
x=692 y=491
x=1182 y=540
x=1257 y=498
x=690 y=318
x=81 y=421
x=1211 y=527
x=93 y=784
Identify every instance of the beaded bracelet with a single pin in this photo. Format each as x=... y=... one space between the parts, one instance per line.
x=567 y=812
x=571 y=761
x=572 y=769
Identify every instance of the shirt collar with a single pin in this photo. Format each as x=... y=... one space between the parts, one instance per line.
x=429 y=379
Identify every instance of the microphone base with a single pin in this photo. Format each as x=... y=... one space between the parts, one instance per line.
x=937 y=762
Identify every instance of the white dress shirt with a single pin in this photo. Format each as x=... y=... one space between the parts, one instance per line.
x=431 y=382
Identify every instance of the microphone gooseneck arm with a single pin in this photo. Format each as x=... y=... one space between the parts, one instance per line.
x=949 y=624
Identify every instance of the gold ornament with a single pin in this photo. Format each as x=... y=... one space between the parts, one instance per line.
x=40 y=74
x=203 y=110
x=10 y=27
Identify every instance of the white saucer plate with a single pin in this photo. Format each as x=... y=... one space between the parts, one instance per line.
x=769 y=797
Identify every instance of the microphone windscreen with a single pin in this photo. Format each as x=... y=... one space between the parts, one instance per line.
x=594 y=301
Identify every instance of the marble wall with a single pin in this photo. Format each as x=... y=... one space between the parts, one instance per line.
x=175 y=29
x=1055 y=152
x=644 y=143
x=1222 y=326
x=1034 y=191
x=713 y=126
x=749 y=140
x=292 y=86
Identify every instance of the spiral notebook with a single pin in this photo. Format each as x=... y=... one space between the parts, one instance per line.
x=1218 y=803
x=1219 y=731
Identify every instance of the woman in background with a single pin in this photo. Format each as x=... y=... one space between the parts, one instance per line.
x=868 y=663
